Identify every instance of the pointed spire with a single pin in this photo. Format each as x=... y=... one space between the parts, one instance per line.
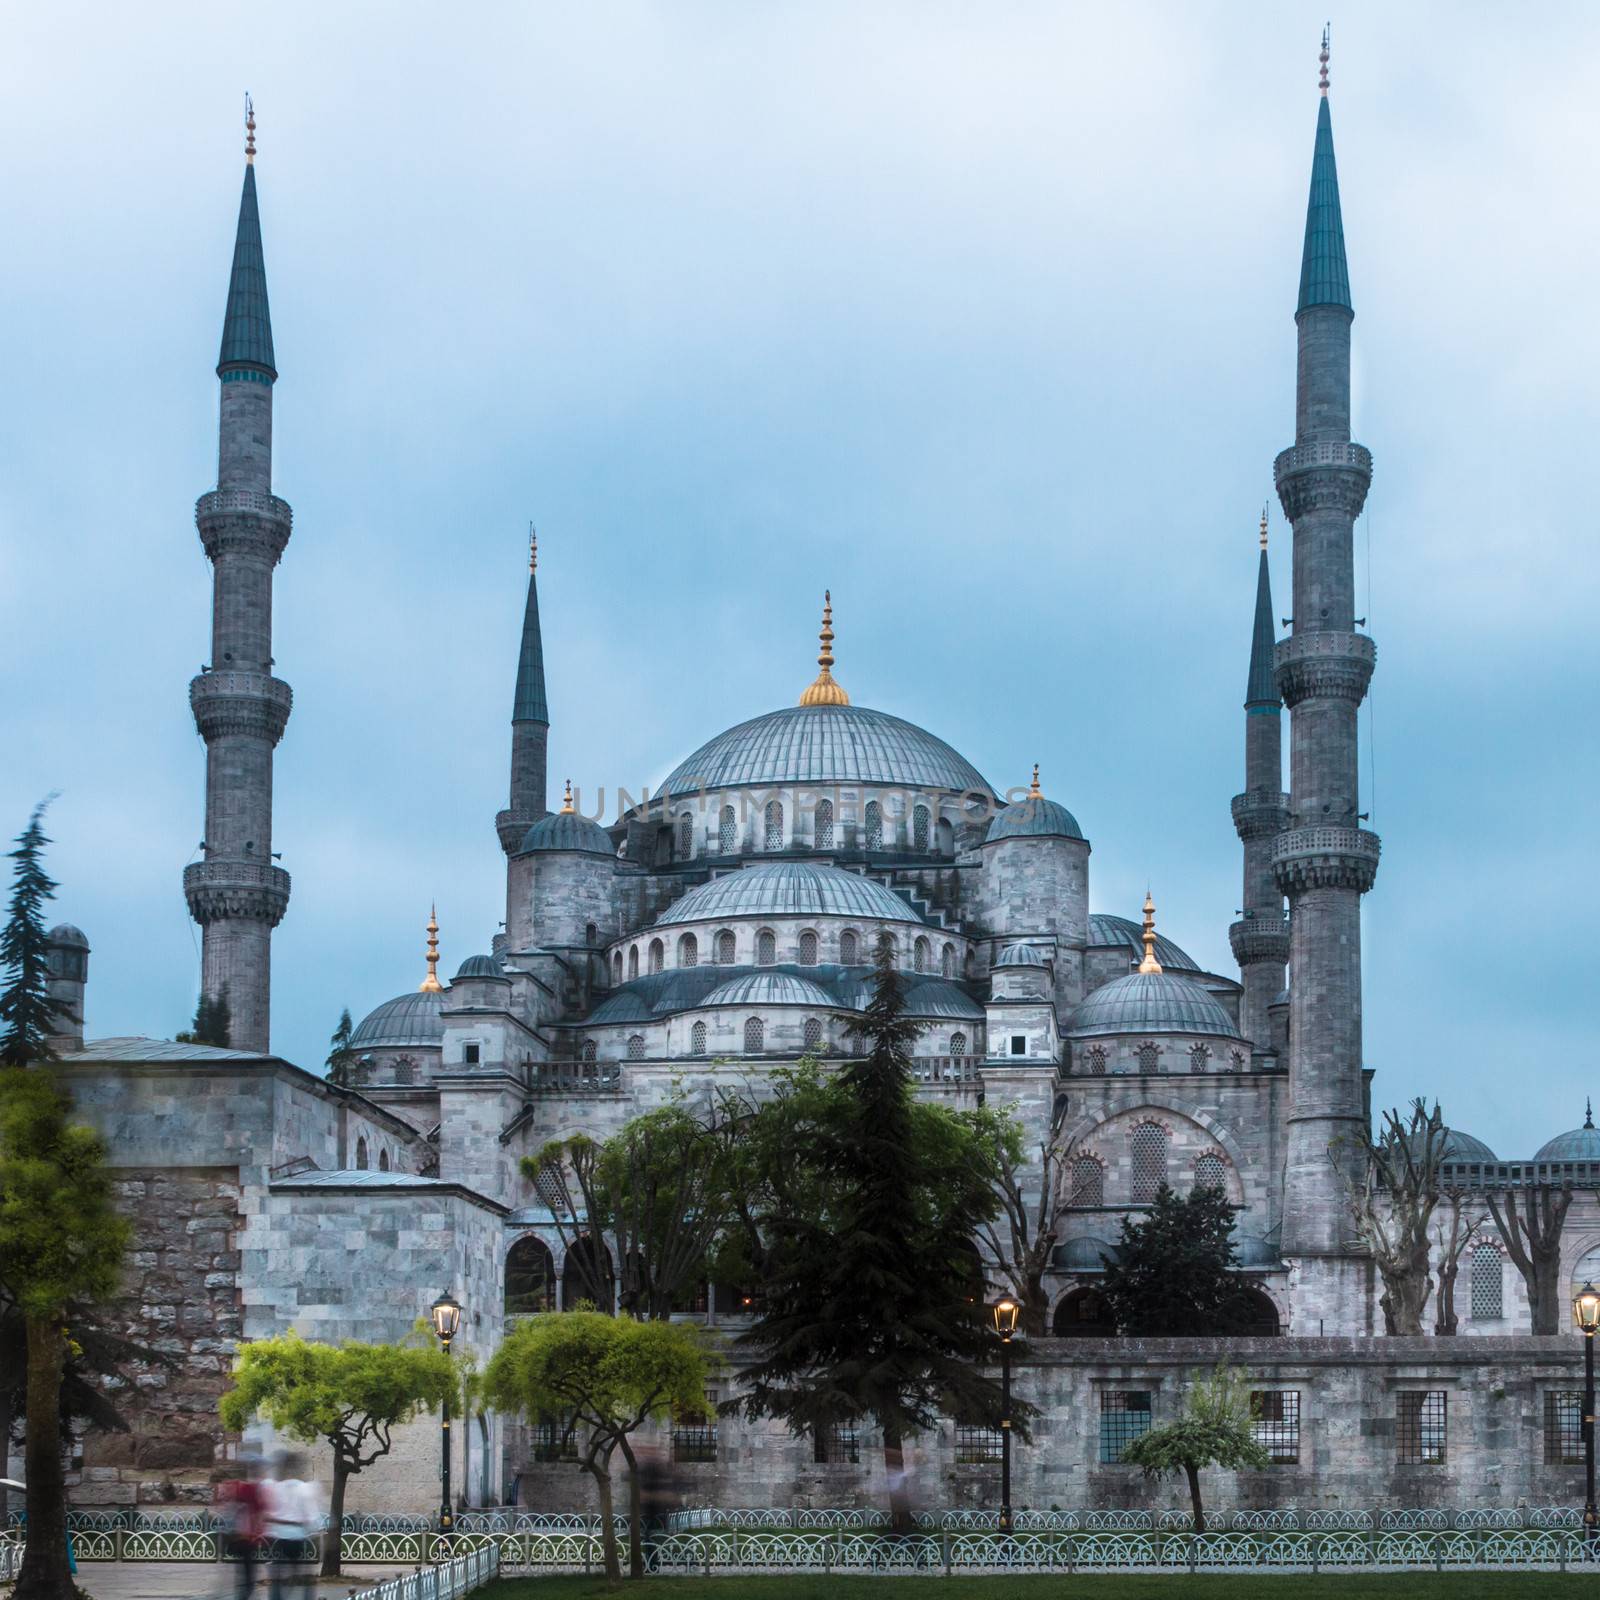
x=1324 y=275
x=528 y=703
x=1588 y=1112
x=247 y=323
x=824 y=691
x=431 y=984
x=1261 y=687
x=1149 y=964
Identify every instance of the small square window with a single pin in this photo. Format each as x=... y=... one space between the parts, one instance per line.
x=1125 y=1414
x=1563 y=1428
x=978 y=1447
x=1420 y=1418
x=1019 y=1044
x=1275 y=1422
x=469 y=1053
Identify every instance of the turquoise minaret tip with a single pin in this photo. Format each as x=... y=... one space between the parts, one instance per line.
x=247 y=324
x=1324 y=276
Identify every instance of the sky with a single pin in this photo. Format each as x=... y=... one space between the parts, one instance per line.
x=978 y=315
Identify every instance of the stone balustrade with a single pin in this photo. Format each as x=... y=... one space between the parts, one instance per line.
x=218 y=888
x=1324 y=665
x=233 y=702
x=1325 y=857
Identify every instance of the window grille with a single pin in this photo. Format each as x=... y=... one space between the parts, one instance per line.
x=550 y=1188
x=837 y=1445
x=636 y=1047
x=695 y=1441
x=1421 y=1427
x=874 y=825
x=657 y=955
x=1199 y=1057
x=1088 y=1182
x=947 y=961
x=808 y=949
x=1149 y=1057
x=1210 y=1173
x=405 y=1067
x=685 y=836
x=977 y=1447
x=812 y=1036
x=958 y=1044
x=822 y=825
x=919 y=955
x=766 y=948
x=697 y=1039
x=1149 y=1162
x=555 y=1439
x=725 y=949
x=1125 y=1414
x=847 y=947
x=590 y=1050
x=1275 y=1422
x=755 y=1034
x=1488 y=1290
x=688 y=951
x=1563 y=1428
x=633 y=961
x=774 y=825
x=1094 y=1058
x=1236 y=1060
x=727 y=832
x=920 y=828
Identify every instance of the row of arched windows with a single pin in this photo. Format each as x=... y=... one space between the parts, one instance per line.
x=1149 y=1150
x=922 y=832
x=364 y=1157
x=699 y=1039
x=852 y=952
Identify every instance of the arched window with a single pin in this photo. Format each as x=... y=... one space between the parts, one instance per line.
x=616 y=967
x=1083 y=1314
x=586 y=1274
x=1259 y=1316
x=590 y=1050
x=947 y=961
x=657 y=955
x=1149 y=1161
x=1199 y=1057
x=725 y=948
x=808 y=948
x=727 y=832
x=958 y=1044
x=755 y=1035
x=697 y=1039
x=1088 y=1183
x=774 y=838
x=383 y=1161
x=822 y=825
x=1149 y=1057
x=1488 y=1294
x=811 y=1035
x=1094 y=1058
x=921 y=827
x=530 y=1277
x=1210 y=1173
x=874 y=827
x=633 y=961
x=1236 y=1060
x=919 y=955
x=849 y=948
x=405 y=1070
x=766 y=948
x=591 y=934
x=685 y=836
x=688 y=951
x=361 y=1154
x=636 y=1047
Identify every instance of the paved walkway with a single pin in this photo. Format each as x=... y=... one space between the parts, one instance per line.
x=203 y=1580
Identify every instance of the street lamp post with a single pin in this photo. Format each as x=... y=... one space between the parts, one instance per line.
x=1006 y=1312
x=446 y=1322
x=1586 y=1313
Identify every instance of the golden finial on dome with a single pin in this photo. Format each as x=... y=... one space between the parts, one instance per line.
x=825 y=692
x=1149 y=964
x=533 y=549
x=1033 y=788
x=1263 y=527
x=567 y=807
x=431 y=984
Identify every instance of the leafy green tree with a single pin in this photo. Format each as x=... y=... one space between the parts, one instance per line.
x=350 y=1395
x=870 y=1307
x=28 y=1011
x=611 y=1375
x=1214 y=1430
x=1175 y=1271
x=61 y=1242
x=338 y=1062
x=213 y=1021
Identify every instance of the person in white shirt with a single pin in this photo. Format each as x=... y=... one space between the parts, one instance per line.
x=293 y=1522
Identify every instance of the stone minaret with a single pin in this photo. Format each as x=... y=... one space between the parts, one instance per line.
x=530 y=723
x=1260 y=938
x=235 y=892
x=1324 y=860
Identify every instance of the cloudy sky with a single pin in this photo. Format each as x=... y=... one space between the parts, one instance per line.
x=979 y=314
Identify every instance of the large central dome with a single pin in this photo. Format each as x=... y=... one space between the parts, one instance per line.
x=825 y=744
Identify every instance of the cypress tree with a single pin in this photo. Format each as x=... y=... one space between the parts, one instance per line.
x=338 y=1062
x=28 y=1011
x=213 y=1022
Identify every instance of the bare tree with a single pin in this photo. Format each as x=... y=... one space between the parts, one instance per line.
x=1393 y=1193
x=1453 y=1232
x=1530 y=1222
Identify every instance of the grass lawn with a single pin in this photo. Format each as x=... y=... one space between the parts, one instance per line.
x=1098 y=1586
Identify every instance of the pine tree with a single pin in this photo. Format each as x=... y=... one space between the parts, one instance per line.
x=28 y=1011
x=213 y=1021
x=338 y=1062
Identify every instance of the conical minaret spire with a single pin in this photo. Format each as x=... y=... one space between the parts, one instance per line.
x=1325 y=860
x=530 y=721
x=236 y=892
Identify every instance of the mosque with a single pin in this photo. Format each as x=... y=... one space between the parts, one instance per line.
x=723 y=927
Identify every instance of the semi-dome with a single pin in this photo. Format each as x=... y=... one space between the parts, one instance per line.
x=409 y=1019
x=566 y=830
x=769 y=988
x=1023 y=954
x=1083 y=1255
x=939 y=998
x=1119 y=933
x=825 y=744
x=1151 y=1002
x=1034 y=817
x=789 y=889
x=65 y=933
x=625 y=1006
x=1581 y=1144
x=479 y=967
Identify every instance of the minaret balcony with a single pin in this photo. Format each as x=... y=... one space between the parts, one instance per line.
x=253 y=704
x=222 y=890
x=1260 y=813
x=1324 y=666
x=242 y=522
x=1325 y=857
x=1264 y=938
x=1330 y=476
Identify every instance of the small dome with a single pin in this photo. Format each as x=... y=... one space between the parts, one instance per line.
x=409 y=1019
x=1118 y=933
x=65 y=933
x=479 y=967
x=1082 y=1255
x=566 y=830
x=768 y=988
x=1023 y=954
x=937 y=997
x=1150 y=1002
x=789 y=889
x=624 y=1006
x=1034 y=817
x=1459 y=1146
x=1582 y=1144
x=1254 y=1251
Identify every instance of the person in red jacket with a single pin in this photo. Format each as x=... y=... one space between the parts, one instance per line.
x=243 y=1505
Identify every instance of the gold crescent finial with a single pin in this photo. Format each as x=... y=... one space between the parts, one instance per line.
x=1149 y=964
x=533 y=549
x=1263 y=527
x=1323 y=58
x=567 y=807
x=249 y=131
x=1033 y=788
x=431 y=984
x=824 y=691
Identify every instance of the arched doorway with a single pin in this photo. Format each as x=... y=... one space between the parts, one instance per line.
x=1082 y=1313
x=530 y=1277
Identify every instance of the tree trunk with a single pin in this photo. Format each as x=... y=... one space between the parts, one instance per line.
x=1406 y=1291
x=7 y=1422
x=333 y=1548
x=635 y=1507
x=600 y=1471
x=1192 y=1472
x=894 y=1466
x=44 y=1574
x=1445 y=1325
x=1546 y=1287
x=1035 y=1307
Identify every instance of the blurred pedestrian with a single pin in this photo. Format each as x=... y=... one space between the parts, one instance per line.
x=243 y=1505
x=292 y=1525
